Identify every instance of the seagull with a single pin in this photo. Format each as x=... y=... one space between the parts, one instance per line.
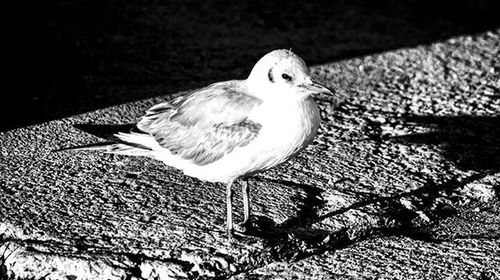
x=227 y=130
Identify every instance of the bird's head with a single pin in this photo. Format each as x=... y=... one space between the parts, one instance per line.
x=281 y=72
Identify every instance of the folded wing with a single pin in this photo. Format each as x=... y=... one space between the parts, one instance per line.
x=206 y=124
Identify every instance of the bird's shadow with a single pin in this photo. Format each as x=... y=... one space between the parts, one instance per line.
x=469 y=142
x=295 y=238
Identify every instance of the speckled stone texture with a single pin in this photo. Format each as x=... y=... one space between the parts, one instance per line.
x=401 y=182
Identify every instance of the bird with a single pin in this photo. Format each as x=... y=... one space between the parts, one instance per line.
x=227 y=130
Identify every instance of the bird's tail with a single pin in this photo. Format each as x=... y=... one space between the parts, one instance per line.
x=93 y=146
x=115 y=142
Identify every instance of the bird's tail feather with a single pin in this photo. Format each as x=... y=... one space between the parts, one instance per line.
x=93 y=146
x=114 y=143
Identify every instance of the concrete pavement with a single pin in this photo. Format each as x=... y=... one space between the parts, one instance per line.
x=401 y=182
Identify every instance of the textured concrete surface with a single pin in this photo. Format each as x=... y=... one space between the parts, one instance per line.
x=401 y=182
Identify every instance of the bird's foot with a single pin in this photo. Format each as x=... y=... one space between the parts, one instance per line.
x=256 y=226
x=243 y=227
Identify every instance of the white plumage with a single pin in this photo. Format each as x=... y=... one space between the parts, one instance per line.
x=231 y=129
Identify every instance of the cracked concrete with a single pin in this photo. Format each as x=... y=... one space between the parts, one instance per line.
x=401 y=182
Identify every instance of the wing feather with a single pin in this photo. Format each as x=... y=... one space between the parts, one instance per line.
x=206 y=124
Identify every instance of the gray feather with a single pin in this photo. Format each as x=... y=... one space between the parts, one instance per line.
x=206 y=124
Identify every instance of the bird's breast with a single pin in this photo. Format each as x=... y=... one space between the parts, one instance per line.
x=287 y=128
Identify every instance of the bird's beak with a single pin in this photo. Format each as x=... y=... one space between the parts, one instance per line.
x=313 y=87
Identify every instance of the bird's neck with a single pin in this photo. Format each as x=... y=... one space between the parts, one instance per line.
x=255 y=86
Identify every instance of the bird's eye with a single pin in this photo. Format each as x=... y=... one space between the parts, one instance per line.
x=286 y=77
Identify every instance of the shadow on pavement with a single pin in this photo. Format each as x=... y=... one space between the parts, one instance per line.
x=470 y=142
x=435 y=212
x=419 y=217
x=296 y=238
x=62 y=58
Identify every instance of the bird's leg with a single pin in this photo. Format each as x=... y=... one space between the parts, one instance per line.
x=246 y=201
x=229 y=205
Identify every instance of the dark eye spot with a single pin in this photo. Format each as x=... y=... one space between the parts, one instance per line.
x=286 y=77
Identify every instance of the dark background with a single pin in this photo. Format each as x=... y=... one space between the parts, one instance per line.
x=61 y=58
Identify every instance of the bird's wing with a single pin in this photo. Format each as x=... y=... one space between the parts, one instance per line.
x=206 y=124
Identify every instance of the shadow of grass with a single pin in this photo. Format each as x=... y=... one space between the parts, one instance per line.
x=470 y=142
x=297 y=238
